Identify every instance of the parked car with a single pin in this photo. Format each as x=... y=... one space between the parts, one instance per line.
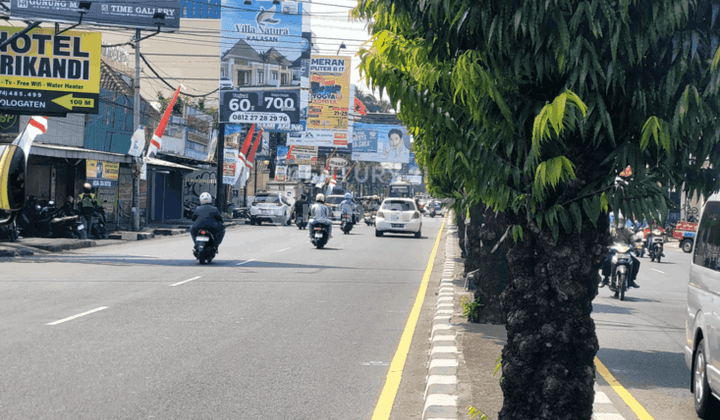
x=225 y=83
x=270 y=207
x=702 y=352
x=398 y=215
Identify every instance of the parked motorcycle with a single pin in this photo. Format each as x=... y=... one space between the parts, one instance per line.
x=204 y=249
x=28 y=217
x=346 y=223
x=10 y=232
x=97 y=222
x=320 y=235
x=621 y=270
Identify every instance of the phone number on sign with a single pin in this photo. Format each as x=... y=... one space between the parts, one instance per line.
x=238 y=117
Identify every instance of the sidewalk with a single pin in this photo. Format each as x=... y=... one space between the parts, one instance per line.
x=462 y=354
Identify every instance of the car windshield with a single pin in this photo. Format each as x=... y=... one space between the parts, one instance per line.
x=398 y=205
x=267 y=199
x=334 y=199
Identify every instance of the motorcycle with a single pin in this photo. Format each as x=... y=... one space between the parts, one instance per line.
x=656 y=250
x=431 y=211
x=346 y=223
x=320 y=235
x=10 y=232
x=639 y=243
x=621 y=270
x=204 y=249
x=98 y=225
x=301 y=221
x=370 y=218
x=28 y=217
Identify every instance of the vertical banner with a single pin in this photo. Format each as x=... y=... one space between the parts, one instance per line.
x=329 y=103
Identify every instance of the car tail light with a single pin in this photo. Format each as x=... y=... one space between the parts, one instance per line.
x=202 y=232
x=279 y=204
x=380 y=214
x=416 y=215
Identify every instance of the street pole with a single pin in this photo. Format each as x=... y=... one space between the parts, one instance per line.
x=136 y=125
x=255 y=182
x=220 y=199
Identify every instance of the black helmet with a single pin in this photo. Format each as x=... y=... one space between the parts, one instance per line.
x=87 y=188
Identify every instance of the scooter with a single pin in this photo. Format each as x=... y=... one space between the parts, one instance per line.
x=320 y=235
x=98 y=227
x=621 y=270
x=370 y=218
x=204 y=249
x=656 y=250
x=301 y=221
x=431 y=212
x=346 y=223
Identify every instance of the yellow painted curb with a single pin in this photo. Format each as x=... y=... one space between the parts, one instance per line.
x=634 y=405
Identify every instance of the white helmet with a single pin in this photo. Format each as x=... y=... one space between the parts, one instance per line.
x=348 y=195
x=320 y=198
x=205 y=198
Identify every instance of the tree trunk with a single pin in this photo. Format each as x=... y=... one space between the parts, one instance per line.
x=487 y=269
x=548 y=361
x=460 y=217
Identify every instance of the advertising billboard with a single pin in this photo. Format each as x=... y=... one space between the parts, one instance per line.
x=265 y=108
x=140 y=14
x=303 y=155
x=327 y=122
x=381 y=143
x=102 y=174
x=47 y=74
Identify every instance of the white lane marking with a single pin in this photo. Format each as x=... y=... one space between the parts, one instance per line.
x=245 y=262
x=185 y=281
x=285 y=249
x=661 y=272
x=70 y=318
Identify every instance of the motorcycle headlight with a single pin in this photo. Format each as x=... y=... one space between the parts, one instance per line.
x=614 y=259
x=622 y=269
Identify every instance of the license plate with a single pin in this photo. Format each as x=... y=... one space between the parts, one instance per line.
x=397 y=225
x=318 y=235
x=81 y=227
x=203 y=239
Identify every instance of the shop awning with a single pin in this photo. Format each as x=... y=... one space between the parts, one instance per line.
x=166 y=164
x=70 y=152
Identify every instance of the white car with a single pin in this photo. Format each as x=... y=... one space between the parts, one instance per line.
x=270 y=207
x=398 y=215
x=226 y=83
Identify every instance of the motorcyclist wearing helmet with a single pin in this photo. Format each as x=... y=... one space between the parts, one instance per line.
x=621 y=235
x=375 y=205
x=320 y=214
x=206 y=216
x=655 y=235
x=86 y=204
x=348 y=206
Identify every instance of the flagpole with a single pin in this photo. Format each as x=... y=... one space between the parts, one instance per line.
x=136 y=124
x=220 y=199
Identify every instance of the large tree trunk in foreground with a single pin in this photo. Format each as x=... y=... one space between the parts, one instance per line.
x=548 y=361
x=486 y=263
x=460 y=216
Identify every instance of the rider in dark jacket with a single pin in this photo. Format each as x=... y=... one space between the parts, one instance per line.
x=207 y=216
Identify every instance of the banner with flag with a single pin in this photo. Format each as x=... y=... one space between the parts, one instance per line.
x=156 y=142
x=250 y=162
x=331 y=184
x=36 y=126
x=322 y=179
x=137 y=142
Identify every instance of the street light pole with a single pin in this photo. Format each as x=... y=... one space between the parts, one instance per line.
x=136 y=125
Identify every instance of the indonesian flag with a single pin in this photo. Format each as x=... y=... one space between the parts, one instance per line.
x=322 y=179
x=156 y=141
x=36 y=126
x=244 y=150
x=251 y=158
x=331 y=185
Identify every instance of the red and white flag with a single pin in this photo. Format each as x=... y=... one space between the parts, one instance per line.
x=36 y=126
x=249 y=164
x=244 y=150
x=156 y=142
x=331 y=185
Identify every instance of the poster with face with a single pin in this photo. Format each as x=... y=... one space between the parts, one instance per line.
x=381 y=143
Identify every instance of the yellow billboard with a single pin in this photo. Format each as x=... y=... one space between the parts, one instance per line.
x=102 y=174
x=329 y=99
x=48 y=74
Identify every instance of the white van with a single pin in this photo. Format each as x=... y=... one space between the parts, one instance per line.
x=702 y=326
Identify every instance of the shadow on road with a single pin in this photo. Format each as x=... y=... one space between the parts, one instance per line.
x=647 y=369
x=610 y=309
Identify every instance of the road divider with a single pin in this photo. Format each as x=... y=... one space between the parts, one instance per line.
x=185 y=281
x=70 y=318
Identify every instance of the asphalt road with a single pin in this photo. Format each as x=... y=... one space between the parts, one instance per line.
x=272 y=329
x=642 y=339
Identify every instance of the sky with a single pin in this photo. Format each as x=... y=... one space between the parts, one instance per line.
x=332 y=24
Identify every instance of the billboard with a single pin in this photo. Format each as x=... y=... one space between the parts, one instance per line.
x=102 y=174
x=262 y=107
x=329 y=102
x=47 y=74
x=381 y=143
x=140 y=14
x=303 y=155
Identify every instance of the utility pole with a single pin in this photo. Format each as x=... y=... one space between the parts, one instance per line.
x=136 y=125
x=220 y=200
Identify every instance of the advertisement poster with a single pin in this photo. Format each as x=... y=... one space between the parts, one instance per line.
x=47 y=74
x=281 y=158
x=381 y=143
x=303 y=155
x=265 y=108
x=231 y=168
x=102 y=174
x=127 y=14
x=281 y=173
x=304 y=171
x=327 y=123
x=9 y=128
x=263 y=43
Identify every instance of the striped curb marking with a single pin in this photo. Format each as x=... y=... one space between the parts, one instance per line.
x=603 y=408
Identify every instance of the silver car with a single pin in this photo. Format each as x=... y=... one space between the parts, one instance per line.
x=702 y=346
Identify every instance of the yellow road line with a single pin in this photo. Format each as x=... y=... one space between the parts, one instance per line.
x=634 y=405
x=392 y=382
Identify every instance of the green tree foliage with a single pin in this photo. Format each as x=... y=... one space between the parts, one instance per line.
x=535 y=107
